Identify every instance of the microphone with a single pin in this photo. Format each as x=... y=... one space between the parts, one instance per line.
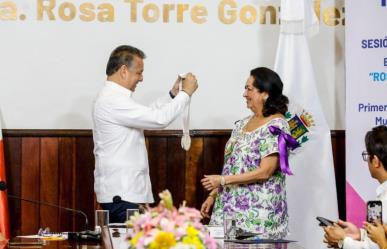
x=81 y=235
x=53 y=205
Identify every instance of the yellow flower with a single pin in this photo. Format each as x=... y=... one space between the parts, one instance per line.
x=166 y=199
x=191 y=231
x=192 y=238
x=163 y=240
x=193 y=241
x=135 y=239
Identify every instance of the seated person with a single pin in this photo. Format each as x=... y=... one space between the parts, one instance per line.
x=377 y=233
x=345 y=234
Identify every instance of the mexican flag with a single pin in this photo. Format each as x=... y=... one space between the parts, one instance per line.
x=4 y=216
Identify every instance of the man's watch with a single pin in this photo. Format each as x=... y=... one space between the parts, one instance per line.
x=171 y=95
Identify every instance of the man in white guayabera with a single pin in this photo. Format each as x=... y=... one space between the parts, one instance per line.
x=121 y=175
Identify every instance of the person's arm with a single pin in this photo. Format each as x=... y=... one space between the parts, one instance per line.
x=364 y=243
x=269 y=163
x=349 y=243
x=268 y=152
x=268 y=166
x=127 y=112
x=166 y=98
x=377 y=234
x=208 y=203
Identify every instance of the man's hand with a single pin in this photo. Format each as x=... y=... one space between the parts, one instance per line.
x=190 y=84
x=175 y=87
x=376 y=233
x=333 y=234
x=351 y=230
x=142 y=208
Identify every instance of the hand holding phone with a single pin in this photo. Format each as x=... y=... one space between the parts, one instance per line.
x=374 y=212
x=324 y=222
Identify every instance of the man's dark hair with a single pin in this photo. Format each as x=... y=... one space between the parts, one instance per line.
x=122 y=55
x=266 y=80
x=376 y=143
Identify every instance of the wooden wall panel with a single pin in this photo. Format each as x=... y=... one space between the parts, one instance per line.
x=213 y=151
x=175 y=170
x=157 y=156
x=12 y=154
x=66 y=154
x=49 y=172
x=57 y=166
x=193 y=161
x=30 y=188
x=84 y=182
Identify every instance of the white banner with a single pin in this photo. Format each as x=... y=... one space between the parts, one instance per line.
x=312 y=189
x=54 y=53
x=366 y=91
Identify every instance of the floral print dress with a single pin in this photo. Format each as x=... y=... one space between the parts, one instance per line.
x=257 y=207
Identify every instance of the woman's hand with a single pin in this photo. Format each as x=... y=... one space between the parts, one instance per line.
x=211 y=182
x=376 y=233
x=206 y=206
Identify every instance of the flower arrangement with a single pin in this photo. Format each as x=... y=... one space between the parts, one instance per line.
x=166 y=227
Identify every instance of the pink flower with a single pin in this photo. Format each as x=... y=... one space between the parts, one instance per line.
x=209 y=242
x=183 y=224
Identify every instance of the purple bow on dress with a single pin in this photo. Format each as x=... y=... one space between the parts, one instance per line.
x=285 y=141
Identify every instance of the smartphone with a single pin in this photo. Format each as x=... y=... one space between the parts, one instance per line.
x=374 y=211
x=324 y=221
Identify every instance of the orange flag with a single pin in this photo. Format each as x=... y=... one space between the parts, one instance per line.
x=4 y=215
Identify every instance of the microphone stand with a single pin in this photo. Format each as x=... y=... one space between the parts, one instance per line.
x=53 y=205
x=83 y=235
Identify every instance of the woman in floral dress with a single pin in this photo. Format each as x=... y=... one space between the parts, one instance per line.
x=252 y=184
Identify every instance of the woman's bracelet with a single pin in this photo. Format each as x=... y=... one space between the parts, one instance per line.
x=222 y=180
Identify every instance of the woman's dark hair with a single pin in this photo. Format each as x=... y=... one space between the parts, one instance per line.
x=266 y=80
x=376 y=143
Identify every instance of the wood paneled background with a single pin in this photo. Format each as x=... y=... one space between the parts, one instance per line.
x=56 y=166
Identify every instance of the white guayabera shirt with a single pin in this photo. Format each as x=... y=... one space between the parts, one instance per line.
x=121 y=158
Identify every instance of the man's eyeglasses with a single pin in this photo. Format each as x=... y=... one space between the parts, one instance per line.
x=365 y=156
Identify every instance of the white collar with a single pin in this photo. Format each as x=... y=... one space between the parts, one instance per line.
x=381 y=189
x=119 y=88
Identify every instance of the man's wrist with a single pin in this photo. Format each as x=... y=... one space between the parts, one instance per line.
x=172 y=95
x=183 y=90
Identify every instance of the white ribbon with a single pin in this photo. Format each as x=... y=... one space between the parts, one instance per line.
x=185 y=139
